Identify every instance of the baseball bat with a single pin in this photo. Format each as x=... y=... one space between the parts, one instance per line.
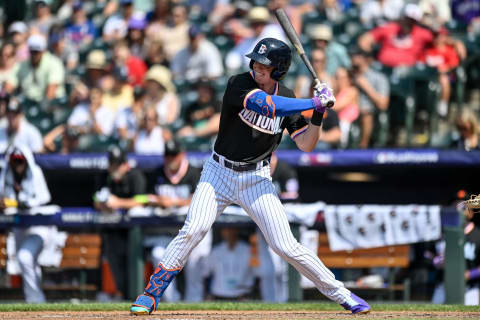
x=295 y=40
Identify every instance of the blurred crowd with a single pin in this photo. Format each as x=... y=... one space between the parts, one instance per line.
x=79 y=76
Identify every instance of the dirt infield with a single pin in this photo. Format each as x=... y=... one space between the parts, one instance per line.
x=250 y=315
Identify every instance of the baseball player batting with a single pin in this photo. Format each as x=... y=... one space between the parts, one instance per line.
x=256 y=110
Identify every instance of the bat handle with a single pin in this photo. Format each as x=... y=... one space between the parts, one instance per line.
x=319 y=83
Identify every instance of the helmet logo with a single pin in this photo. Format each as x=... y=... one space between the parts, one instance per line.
x=262 y=49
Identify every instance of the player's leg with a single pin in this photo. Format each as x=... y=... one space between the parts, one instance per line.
x=28 y=250
x=262 y=204
x=209 y=200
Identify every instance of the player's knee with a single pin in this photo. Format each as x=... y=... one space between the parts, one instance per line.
x=286 y=251
x=25 y=257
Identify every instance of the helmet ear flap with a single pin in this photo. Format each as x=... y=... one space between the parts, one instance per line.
x=277 y=75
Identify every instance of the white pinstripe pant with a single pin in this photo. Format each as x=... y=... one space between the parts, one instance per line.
x=255 y=193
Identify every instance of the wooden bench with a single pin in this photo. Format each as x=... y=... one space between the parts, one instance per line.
x=82 y=252
x=390 y=257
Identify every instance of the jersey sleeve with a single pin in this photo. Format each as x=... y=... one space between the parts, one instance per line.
x=235 y=93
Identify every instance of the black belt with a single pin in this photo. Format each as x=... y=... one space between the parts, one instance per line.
x=239 y=167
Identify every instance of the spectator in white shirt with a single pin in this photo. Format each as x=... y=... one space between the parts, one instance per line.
x=18 y=130
x=200 y=59
x=151 y=139
x=229 y=265
x=87 y=119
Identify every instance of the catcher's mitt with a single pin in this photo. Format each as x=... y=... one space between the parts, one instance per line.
x=472 y=205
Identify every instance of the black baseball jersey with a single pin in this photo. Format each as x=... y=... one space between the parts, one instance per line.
x=246 y=135
x=133 y=183
x=181 y=190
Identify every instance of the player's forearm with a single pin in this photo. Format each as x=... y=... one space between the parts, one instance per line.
x=307 y=141
x=272 y=106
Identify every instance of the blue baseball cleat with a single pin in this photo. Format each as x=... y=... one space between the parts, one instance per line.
x=147 y=302
x=356 y=305
x=144 y=305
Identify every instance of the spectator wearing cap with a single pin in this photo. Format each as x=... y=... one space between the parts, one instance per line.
x=134 y=66
x=118 y=92
x=18 y=33
x=442 y=56
x=23 y=186
x=336 y=53
x=202 y=117
x=80 y=31
x=18 y=130
x=43 y=17
x=401 y=43
x=376 y=13
x=118 y=189
x=116 y=26
x=96 y=66
x=174 y=33
x=136 y=34
x=128 y=121
x=200 y=59
x=151 y=137
x=161 y=94
x=173 y=187
x=8 y=63
x=260 y=22
x=42 y=77
x=374 y=95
